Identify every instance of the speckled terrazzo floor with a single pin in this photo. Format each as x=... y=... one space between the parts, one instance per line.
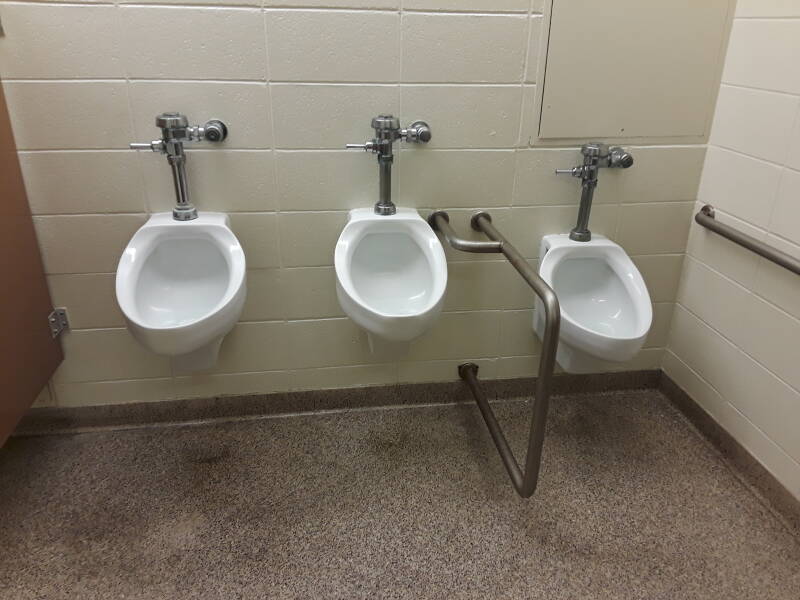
x=389 y=503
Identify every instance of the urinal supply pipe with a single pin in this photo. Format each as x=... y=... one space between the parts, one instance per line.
x=524 y=480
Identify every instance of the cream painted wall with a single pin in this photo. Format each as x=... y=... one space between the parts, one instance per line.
x=735 y=338
x=295 y=82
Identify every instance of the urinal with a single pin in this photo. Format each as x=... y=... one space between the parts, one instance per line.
x=181 y=287
x=606 y=311
x=391 y=273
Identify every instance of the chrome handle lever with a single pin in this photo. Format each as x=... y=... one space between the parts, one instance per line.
x=574 y=171
x=154 y=146
x=370 y=146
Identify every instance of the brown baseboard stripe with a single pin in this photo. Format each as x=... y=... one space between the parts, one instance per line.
x=752 y=472
x=55 y=420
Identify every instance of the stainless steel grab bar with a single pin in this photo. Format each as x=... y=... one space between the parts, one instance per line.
x=706 y=218
x=524 y=480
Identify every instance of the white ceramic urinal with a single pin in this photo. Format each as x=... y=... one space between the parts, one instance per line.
x=605 y=307
x=391 y=273
x=181 y=287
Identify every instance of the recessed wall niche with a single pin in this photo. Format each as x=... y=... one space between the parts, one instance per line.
x=647 y=70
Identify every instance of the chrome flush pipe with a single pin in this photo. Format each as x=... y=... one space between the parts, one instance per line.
x=184 y=209
x=385 y=206
x=175 y=131
x=387 y=132
x=595 y=156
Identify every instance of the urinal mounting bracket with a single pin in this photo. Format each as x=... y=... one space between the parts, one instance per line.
x=58 y=322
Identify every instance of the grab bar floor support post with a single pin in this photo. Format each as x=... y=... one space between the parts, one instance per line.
x=524 y=481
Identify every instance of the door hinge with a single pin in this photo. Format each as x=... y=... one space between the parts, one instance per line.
x=58 y=321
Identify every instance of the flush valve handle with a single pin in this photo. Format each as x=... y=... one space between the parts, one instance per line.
x=154 y=146
x=175 y=130
x=370 y=146
x=574 y=171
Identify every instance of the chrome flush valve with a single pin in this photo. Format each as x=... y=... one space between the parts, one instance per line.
x=596 y=155
x=387 y=132
x=175 y=131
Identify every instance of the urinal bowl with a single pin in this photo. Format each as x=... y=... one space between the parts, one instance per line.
x=391 y=273
x=181 y=287
x=606 y=310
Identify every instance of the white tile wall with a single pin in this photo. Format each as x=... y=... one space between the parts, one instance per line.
x=310 y=293
x=536 y=26
x=228 y=180
x=90 y=297
x=338 y=377
x=758 y=52
x=326 y=180
x=456 y=178
x=249 y=122
x=767 y=8
x=661 y=274
x=786 y=212
x=295 y=80
x=733 y=342
x=222 y=43
x=84 y=243
x=112 y=352
x=69 y=114
x=48 y=42
x=333 y=45
x=468 y=48
x=530 y=118
x=321 y=227
x=765 y=133
x=460 y=116
x=255 y=347
x=722 y=255
x=515 y=337
x=733 y=181
x=777 y=285
x=469 y=5
x=258 y=234
x=91 y=393
x=772 y=405
x=328 y=116
x=793 y=158
x=56 y=182
x=651 y=180
x=264 y=302
x=637 y=234
x=379 y=4
x=230 y=384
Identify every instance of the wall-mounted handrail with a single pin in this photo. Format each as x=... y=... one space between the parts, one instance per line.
x=524 y=480
x=706 y=218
